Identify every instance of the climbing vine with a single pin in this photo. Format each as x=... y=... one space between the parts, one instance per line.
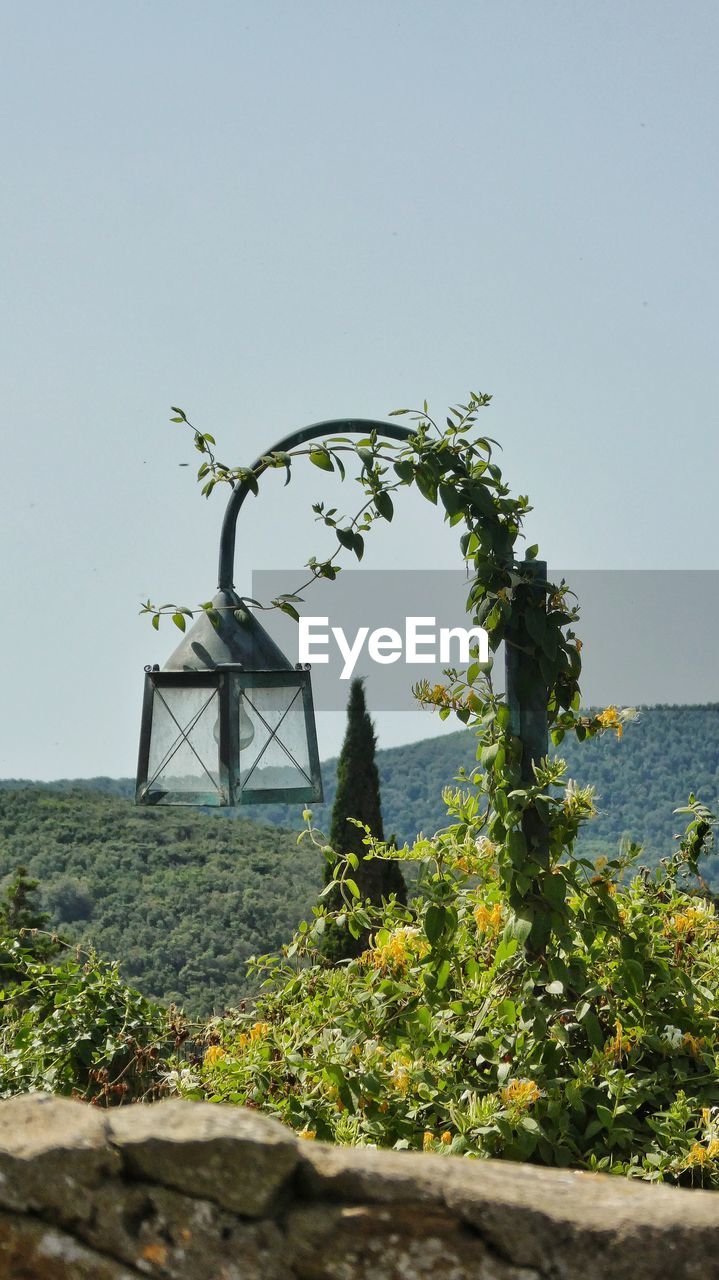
x=455 y=468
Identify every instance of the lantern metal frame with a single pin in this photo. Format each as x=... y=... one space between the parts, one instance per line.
x=229 y=684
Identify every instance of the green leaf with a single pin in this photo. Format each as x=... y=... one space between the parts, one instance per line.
x=554 y=889
x=285 y=607
x=633 y=975
x=521 y=925
x=426 y=482
x=589 y=1021
x=517 y=847
x=451 y=499
x=179 y=621
x=384 y=504
x=536 y=624
x=156 y=621
x=434 y=922
x=321 y=458
x=443 y=974
x=606 y=1116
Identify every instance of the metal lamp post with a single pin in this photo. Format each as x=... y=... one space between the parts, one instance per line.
x=230 y=721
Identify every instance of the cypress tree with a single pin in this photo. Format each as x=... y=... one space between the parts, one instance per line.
x=358 y=796
x=20 y=919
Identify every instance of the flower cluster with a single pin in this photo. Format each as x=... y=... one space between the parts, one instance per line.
x=257 y=1032
x=615 y=718
x=519 y=1095
x=688 y=922
x=488 y=919
x=396 y=952
x=400 y=1073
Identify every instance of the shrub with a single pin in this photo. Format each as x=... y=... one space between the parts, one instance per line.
x=445 y=1035
x=74 y=1027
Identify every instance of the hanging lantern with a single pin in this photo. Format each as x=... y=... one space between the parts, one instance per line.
x=228 y=721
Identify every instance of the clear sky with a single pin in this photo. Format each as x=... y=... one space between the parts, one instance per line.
x=273 y=213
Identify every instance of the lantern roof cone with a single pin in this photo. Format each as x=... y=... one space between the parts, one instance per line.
x=237 y=640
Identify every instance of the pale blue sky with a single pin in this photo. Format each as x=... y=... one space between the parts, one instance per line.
x=272 y=213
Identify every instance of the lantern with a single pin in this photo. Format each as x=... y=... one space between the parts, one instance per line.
x=228 y=721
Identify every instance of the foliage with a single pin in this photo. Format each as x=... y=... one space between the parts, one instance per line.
x=73 y=1027
x=68 y=1024
x=357 y=808
x=601 y=1052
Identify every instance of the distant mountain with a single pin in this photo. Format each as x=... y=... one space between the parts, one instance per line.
x=668 y=752
x=181 y=898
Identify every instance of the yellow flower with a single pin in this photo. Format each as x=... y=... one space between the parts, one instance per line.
x=396 y=954
x=446 y=1138
x=309 y=1134
x=469 y=866
x=520 y=1094
x=611 y=719
x=214 y=1054
x=687 y=922
x=255 y=1033
x=399 y=1075
x=488 y=920
x=427 y=1141
x=693 y=1043
x=619 y=1043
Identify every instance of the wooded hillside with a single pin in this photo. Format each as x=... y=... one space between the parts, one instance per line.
x=182 y=898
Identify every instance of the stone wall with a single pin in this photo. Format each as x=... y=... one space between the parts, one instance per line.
x=199 y=1192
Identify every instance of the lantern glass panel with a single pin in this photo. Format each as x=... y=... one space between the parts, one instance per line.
x=274 y=750
x=184 y=742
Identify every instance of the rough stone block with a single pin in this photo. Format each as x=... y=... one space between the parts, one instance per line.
x=236 y=1158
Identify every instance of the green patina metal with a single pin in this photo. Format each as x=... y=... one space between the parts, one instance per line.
x=526 y=688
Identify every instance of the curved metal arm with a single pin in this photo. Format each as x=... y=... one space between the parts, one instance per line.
x=339 y=426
